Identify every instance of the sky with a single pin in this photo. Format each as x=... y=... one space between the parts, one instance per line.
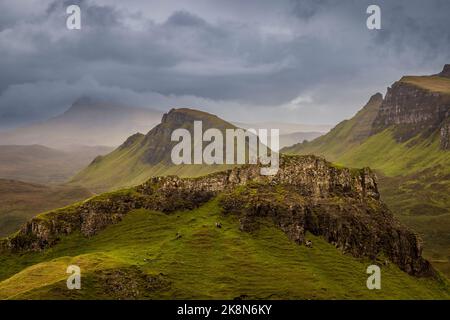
x=299 y=61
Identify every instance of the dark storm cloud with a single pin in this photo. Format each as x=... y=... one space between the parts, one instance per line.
x=304 y=61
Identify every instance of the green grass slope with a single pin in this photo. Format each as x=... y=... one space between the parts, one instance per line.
x=142 y=258
x=124 y=167
x=431 y=83
x=381 y=152
x=346 y=135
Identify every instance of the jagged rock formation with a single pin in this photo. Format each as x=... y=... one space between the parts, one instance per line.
x=307 y=194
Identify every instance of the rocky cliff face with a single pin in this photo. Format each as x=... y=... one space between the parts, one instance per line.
x=412 y=110
x=417 y=105
x=307 y=194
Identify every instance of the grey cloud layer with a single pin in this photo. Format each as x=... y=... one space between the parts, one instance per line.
x=304 y=61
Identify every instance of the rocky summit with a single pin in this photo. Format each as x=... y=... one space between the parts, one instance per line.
x=308 y=194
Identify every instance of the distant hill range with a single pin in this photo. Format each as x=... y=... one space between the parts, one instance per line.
x=405 y=137
x=290 y=133
x=20 y=201
x=88 y=122
x=44 y=165
x=285 y=127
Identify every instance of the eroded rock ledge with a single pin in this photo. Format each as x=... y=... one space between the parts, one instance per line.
x=307 y=194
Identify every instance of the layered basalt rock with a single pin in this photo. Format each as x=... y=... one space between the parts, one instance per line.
x=412 y=110
x=307 y=194
x=417 y=106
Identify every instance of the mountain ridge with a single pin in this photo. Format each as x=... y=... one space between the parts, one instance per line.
x=144 y=155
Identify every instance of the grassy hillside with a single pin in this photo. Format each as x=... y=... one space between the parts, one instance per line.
x=383 y=153
x=422 y=202
x=141 y=257
x=125 y=167
x=343 y=137
x=20 y=201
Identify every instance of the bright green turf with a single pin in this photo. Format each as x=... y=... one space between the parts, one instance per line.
x=382 y=152
x=206 y=262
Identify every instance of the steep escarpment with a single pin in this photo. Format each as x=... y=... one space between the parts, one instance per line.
x=307 y=194
x=415 y=105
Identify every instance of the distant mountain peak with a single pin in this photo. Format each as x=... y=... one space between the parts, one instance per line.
x=181 y=116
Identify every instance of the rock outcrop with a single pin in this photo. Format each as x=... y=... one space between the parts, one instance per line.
x=307 y=194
